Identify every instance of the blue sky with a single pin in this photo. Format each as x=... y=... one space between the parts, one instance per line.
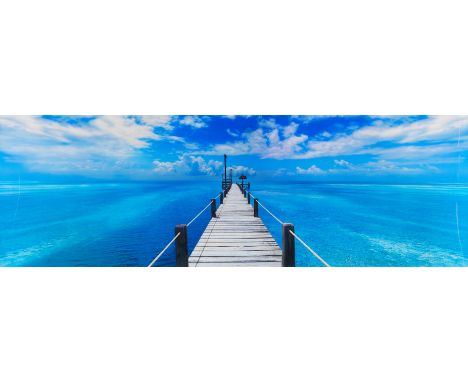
x=323 y=148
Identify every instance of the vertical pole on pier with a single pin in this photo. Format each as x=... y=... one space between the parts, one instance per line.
x=225 y=172
x=255 y=208
x=245 y=193
x=221 y=197
x=289 y=250
x=248 y=197
x=181 y=245
x=213 y=208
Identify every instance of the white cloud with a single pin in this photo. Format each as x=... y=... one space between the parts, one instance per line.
x=412 y=152
x=232 y=117
x=386 y=138
x=188 y=164
x=232 y=133
x=269 y=140
x=163 y=121
x=382 y=167
x=290 y=130
x=430 y=131
x=342 y=163
x=324 y=134
x=242 y=170
x=312 y=170
x=124 y=129
x=386 y=167
x=94 y=143
x=194 y=121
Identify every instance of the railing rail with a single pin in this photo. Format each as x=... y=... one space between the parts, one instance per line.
x=288 y=251
x=310 y=249
x=210 y=204
x=164 y=250
x=196 y=217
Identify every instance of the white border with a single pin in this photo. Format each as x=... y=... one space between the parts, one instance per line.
x=243 y=57
x=233 y=325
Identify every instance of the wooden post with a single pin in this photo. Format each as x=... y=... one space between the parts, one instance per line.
x=181 y=246
x=225 y=170
x=221 y=195
x=248 y=197
x=289 y=250
x=213 y=208
x=245 y=193
x=256 y=208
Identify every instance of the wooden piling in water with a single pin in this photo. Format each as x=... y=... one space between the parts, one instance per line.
x=213 y=208
x=289 y=250
x=181 y=246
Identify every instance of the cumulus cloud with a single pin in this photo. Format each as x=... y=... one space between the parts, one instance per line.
x=163 y=121
x=312 y=170
x=188 y=164
x=242 y=170
x=269 y=140
x=386 y=138
x=194 y=121
x=342 y=163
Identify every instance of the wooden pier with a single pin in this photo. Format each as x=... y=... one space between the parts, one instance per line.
x=235 y=237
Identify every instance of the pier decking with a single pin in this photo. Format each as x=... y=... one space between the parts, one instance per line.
x=235 y=237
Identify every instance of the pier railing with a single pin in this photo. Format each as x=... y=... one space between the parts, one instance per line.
x=288 y=233
x=288 y=236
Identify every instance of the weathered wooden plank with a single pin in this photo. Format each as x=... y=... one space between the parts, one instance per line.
x=237 y=264
x=234 y=245
x=237 y=253
x=231 y=248
x=253 y=243
x=239 y=259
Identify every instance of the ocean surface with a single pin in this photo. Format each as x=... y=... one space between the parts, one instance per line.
x=127 y=224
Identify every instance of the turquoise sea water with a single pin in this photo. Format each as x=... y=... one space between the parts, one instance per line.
x=127 y=224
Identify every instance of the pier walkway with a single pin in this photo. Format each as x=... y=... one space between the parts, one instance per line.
x=235 y=237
